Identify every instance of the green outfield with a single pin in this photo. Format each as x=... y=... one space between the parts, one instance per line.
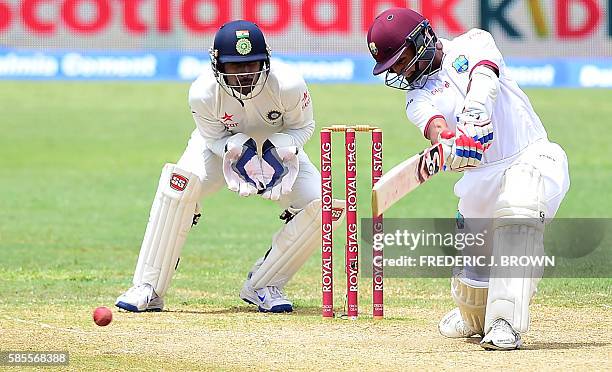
x=79 y=164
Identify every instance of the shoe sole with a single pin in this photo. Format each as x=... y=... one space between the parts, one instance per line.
x=133 y=309
x=248 y=301
x=490 y=346
x=275 y=309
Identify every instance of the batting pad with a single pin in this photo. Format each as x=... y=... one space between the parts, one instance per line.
x=519 y=232
x=170 y=219
x=293 y=244
x=471 y=299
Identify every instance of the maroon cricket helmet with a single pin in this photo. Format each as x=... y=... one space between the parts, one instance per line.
x=388 y=36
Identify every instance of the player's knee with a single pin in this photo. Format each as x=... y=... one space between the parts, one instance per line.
x=314 y=211
x=521 y=194
x=178 y=183
x=184 y=186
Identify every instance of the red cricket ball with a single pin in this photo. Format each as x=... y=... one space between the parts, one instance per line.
x=102 y=316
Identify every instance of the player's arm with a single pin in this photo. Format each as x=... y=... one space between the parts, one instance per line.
x=298 y=120
x=460 y=151
x=436 y=126
x=241 y=165
x=475 y=119
x=213 y=131
x=280 y=163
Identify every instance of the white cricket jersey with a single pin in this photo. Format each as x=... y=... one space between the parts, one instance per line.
x=284 y=106
x=515 y=124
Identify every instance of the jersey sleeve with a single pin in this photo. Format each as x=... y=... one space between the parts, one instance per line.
x=420 y=109
x=483 y=50
x=298 y=121
x=202 y=105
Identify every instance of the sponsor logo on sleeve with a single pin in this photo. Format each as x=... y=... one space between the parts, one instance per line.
x=305 y=100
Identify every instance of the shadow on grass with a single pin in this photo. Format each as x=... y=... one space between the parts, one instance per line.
x=246 y=309
x=563 y=345
x=298 y=311
x=228 y=310
x=473 y=340
x=548 y=345
x=305 y=311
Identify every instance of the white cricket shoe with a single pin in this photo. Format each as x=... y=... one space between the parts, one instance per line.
x=501 y=337
x=140 y=298
x=452 y=325
x=269 y=299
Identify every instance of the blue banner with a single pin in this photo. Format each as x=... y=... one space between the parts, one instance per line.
x=18 y=64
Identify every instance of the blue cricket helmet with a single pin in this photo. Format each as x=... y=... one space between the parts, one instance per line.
x=240 y=41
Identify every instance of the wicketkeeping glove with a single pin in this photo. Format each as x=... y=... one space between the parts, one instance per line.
x=461 y=152
x=476 y=123
x=279 y=165
x=242 y=166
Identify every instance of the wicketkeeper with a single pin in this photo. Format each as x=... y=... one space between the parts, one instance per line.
x=512 y=173
x=252 y=121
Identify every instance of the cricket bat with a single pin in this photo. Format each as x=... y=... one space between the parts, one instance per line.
x=405 y=177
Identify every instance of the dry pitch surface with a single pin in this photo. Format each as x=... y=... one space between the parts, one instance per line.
x=240 y=339
x=84 y=159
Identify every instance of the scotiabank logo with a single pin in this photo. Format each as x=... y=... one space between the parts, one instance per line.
x=564 y=19
x=196 y=16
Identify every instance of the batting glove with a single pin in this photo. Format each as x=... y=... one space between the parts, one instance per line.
x=476 y=123
x=242 y=166
x=461 y=152
x=280 y=165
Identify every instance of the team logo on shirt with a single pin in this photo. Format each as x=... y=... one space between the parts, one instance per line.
x=273 y=116
x=461 y=64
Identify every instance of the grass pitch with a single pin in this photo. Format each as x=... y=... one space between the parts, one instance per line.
x=79 y=166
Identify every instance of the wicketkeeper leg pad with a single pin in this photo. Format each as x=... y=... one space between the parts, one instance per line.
x=293 y=244
x=471 y=299
x=173 y=212
x=518 y=232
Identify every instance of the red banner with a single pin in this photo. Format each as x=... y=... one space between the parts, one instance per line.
x=291 y=25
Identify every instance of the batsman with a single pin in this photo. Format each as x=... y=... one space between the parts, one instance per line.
x=460 y=94
x=252 y=121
